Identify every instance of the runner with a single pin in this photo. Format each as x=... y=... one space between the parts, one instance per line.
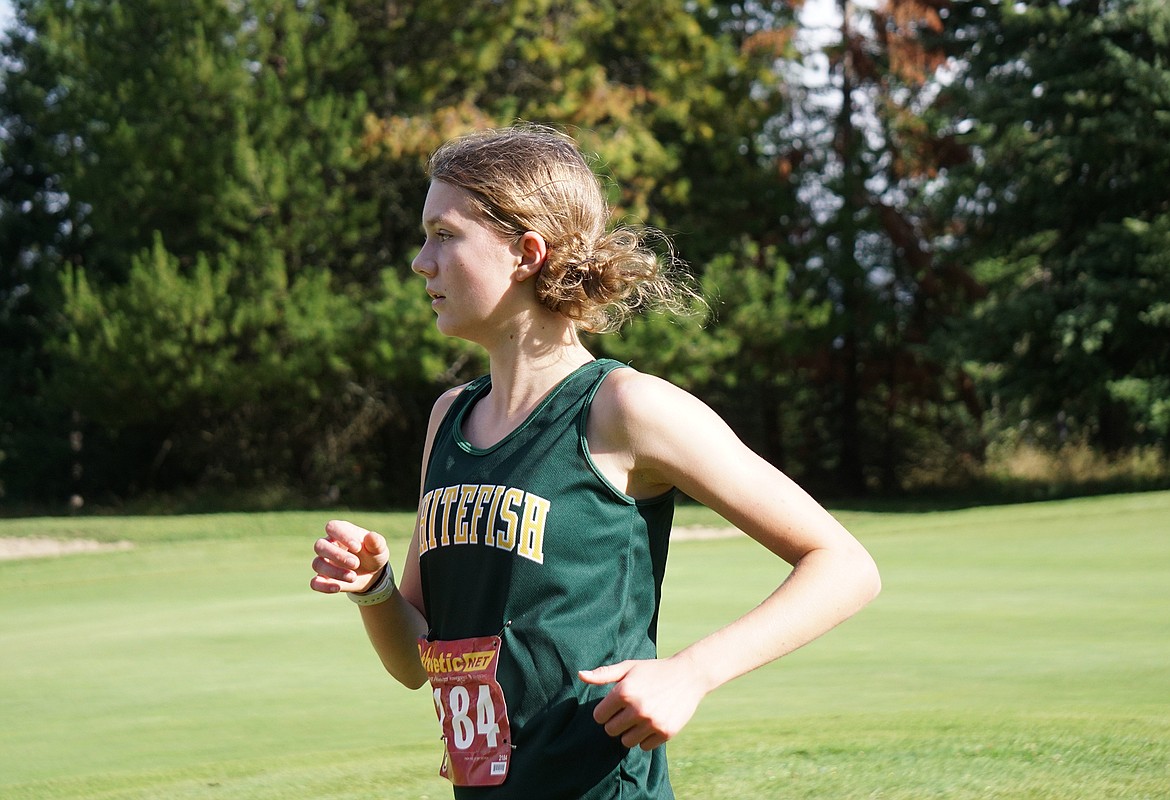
x=530 y=592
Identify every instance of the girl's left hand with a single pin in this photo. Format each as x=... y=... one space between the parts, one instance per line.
x=650 y=702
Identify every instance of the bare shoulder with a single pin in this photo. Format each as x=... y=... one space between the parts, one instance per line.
x=629 y=401
x=652 y=419
x=443 y=403
x=640 y=394
x=448 y=397
x=438 y=411
x=672 y=438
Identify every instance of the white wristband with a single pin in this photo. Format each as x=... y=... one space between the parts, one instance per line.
x=378 y=593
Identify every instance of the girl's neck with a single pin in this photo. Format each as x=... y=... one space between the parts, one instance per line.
x=528 y=362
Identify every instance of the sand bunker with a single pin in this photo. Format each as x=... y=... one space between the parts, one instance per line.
x=13 y=547
x=698 y=532
x=43 y=547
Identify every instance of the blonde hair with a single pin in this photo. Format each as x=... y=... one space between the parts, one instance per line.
x=534 y=178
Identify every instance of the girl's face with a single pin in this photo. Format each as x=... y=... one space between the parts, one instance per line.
x=470 y=269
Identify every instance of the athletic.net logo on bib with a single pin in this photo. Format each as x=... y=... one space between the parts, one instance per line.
x=471 y=708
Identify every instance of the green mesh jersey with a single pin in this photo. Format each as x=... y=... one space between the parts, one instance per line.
x=526 y=539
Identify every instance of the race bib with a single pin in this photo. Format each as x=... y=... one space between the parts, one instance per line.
x=471 y=709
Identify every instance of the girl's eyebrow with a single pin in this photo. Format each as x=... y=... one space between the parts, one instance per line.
x=434 y=222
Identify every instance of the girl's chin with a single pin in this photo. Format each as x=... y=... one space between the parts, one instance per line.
x=448 y=326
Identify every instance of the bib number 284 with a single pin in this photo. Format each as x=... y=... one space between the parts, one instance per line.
x=471 y=708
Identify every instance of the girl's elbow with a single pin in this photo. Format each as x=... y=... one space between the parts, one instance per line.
x=411 y=680
x=875 y=587
x=414 y=682
x=412 y=676
x=859 y=571
x=870 y=579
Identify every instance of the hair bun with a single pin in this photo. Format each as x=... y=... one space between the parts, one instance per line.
x=533 y=178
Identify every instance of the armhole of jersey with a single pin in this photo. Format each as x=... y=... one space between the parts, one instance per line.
x=582 y=426
x=449 y=418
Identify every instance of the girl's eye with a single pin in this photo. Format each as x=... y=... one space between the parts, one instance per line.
x=443 y=236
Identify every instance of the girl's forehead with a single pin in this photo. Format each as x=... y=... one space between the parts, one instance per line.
x=445 y=200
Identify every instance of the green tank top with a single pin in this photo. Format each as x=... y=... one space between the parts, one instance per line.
x=528 y=540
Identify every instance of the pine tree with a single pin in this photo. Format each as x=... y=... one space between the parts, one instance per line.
x=178 y=142
x=1067 y=106
x=268 y=156
x=866 y=151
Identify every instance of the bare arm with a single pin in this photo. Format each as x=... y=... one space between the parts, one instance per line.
x=350 y=559
x=665 y=437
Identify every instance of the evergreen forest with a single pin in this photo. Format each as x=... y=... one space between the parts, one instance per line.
x=933 y=235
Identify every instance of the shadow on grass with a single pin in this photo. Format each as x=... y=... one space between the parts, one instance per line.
x=977 y=492
x=992 y=493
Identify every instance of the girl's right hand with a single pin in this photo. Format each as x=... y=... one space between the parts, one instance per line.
x=349 y=558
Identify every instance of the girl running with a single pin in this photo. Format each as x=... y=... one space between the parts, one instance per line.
x=530 y=592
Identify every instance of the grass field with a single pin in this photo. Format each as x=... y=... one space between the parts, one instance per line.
x=1016 y=652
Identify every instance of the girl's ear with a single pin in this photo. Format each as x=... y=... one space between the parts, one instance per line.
x=533 y=253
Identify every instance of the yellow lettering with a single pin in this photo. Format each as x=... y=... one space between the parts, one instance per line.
x=506 y=537
x=423 y=507
x=489 y=532
x=434 y=504
x=485 y=492
x=479 y=660
x=466 y=496
x=438 y=663
x=450 y=498
x=509 y=519
x=531 y=543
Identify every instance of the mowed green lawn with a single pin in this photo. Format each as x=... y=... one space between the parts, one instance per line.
x=1015 y=652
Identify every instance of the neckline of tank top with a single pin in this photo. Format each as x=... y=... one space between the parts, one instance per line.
x=465 y=444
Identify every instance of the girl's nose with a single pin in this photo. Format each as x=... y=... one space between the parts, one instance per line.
x=423 y=264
